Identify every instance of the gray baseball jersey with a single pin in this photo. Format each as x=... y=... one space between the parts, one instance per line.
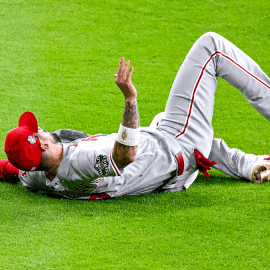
x=88 y=167
x=231 y=161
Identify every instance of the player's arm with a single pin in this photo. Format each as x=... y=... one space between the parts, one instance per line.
x=125 y=148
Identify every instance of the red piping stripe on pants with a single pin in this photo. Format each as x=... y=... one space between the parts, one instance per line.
x=200 y=77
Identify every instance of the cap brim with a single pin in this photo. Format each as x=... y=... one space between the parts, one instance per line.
x=29 y=119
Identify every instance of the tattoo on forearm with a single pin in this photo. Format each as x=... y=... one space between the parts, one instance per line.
x=123 y=154
x=131 y=115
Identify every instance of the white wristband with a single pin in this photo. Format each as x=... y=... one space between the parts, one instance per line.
x=128 y=136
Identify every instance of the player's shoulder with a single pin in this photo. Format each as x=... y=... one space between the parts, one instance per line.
x=31 y=174
x=33 y=180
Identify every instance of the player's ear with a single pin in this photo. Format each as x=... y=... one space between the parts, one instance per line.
x=44 y=145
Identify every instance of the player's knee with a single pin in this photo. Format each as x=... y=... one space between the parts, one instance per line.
x=209 y=36
x=209 y=39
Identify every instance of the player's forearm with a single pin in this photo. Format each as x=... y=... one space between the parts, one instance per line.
x=126 y=145
x=125 y=154
x=131 y=114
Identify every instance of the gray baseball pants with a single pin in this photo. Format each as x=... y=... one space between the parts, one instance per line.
x=189 y=110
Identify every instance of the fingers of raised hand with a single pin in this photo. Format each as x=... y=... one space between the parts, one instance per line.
x=130 y=73
x=123 y=76
x=120 y=68
x=125 y=67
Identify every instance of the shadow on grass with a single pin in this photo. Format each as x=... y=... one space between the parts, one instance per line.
x=221 y=179
x=218 y=190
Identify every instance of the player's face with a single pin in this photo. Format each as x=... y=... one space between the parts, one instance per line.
x=44 y=134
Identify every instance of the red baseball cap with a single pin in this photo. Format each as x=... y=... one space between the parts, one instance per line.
x=22 y=146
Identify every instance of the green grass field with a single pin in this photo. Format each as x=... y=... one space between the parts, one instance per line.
x=57 y=60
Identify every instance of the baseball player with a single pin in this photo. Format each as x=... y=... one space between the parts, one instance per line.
x=166 y=157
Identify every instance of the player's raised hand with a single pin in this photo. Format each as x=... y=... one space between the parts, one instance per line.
x=123 y=80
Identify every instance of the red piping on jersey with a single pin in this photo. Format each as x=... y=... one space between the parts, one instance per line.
x=180 y=161
x=200 y=77
x=114 y=165
x=100 y=196
x=93 y=138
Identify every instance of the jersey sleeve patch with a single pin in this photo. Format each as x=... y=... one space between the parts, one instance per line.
x=102 y=165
